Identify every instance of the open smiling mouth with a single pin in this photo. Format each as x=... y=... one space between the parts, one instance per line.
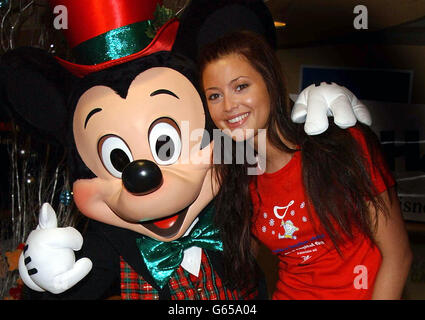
x=169 y=226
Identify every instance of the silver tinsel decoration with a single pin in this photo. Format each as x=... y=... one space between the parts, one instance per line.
x=38 y=171
x=30 y=23
x=37 y=176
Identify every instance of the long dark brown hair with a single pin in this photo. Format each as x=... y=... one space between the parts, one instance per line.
x=335 y=172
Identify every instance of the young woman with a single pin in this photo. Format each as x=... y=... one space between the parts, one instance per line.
x=326 y=204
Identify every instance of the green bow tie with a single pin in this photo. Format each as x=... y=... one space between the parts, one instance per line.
x=163 y=258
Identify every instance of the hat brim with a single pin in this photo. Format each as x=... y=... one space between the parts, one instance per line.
x=163 y=41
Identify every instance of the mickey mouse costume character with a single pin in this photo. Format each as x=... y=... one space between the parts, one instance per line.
x=139 y=138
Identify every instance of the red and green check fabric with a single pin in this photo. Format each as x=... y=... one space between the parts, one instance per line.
x=182 y=285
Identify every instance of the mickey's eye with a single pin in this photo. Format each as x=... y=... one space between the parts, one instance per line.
x=114 y=154
x=165 y=141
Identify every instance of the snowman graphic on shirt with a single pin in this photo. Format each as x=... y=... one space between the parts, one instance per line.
x=287 y=225
x=289 y=228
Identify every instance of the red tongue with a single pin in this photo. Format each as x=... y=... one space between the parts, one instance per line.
x=167 y=222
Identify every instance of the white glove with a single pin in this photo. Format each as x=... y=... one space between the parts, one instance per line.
x=316 y=103
x=48 y=260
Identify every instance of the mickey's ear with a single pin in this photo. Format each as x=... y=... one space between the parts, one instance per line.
x=204 y=21
x=35 y=89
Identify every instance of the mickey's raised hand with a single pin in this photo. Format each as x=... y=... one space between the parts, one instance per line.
x=316 y=103
x=48 y=260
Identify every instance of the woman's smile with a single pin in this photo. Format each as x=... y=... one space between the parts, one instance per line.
x=238 y=120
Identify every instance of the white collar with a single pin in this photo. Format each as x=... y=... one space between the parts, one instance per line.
x=192 y=256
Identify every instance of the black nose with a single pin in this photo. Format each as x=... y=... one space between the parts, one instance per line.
x=141 y=177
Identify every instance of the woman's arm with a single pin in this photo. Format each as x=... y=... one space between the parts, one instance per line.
x=391 y=239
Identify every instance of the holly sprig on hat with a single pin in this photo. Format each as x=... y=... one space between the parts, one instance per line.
x=161 y=16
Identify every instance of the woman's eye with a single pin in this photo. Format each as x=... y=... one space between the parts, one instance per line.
x=165 y=142
x=241 y=87
x=114 y=154
x=213 y=96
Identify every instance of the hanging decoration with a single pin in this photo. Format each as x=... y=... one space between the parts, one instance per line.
x=37 y=172
x=176 y=6
x=38 y=175
x=4 y=3
x=29 y=23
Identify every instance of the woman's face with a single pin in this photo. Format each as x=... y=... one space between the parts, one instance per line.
x=237 y=96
